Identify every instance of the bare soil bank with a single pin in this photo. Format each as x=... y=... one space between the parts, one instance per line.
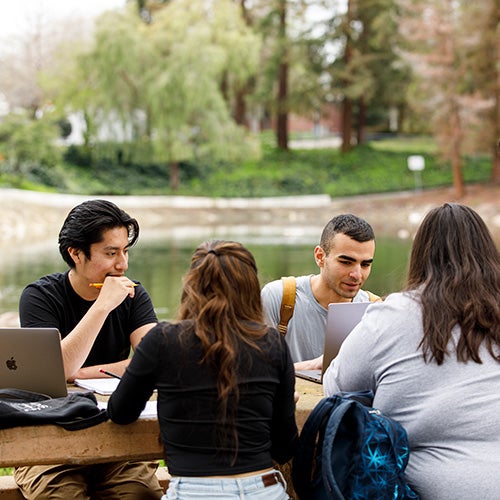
x=37 y=217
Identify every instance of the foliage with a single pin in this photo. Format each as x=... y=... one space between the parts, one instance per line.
x=367 y=72
x=159 y=85
x=187 y=86
x=366 y=169
x=482 y=22
x=28 y=149
x=380 y=166
x=447 y=50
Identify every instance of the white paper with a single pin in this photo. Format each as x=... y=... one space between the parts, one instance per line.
x=99 y=385
x=150 y=411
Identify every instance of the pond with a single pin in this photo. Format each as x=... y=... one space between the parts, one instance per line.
x=159 y=265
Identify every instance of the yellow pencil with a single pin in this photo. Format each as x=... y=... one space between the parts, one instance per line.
x=99 y=285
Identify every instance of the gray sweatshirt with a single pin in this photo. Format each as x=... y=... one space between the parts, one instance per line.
x=450 y=412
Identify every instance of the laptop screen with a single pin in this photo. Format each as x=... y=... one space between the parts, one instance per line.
x=341 y=319
x=31 y=359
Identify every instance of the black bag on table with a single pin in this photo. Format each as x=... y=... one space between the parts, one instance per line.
x=78 y=410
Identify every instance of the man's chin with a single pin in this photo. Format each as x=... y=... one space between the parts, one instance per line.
x=350 y=294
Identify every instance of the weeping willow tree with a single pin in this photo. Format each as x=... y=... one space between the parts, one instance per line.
x=163 y=84
x=205 y=51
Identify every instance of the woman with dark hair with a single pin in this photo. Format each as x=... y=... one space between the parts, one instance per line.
x=431 y=355
x=225 y=384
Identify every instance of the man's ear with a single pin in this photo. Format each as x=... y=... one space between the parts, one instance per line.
x=319 y=256
x=75 y=254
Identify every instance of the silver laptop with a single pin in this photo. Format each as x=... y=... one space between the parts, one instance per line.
x=341 y=319
x=31 y=360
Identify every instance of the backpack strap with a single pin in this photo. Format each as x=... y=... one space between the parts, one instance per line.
x=373 y=297
x=287 y=302
x=307 y=464
x=344 y=419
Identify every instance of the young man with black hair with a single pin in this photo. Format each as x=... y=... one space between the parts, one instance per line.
x=101 y=314
x=344 y=257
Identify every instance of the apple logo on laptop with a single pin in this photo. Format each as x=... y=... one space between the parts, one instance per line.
x=11 y=363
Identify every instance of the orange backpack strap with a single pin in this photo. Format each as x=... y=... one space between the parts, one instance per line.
x=373 y=297
x=287 y=302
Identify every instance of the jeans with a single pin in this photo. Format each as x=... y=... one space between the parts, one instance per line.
x=256 y=487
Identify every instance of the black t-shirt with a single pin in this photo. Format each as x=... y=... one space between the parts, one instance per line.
x=187 y=400
x=52 y=302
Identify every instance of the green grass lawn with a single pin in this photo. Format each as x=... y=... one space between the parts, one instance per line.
x=408 y=145
x=378 y=166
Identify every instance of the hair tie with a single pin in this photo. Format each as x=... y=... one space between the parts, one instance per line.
x=212 y=251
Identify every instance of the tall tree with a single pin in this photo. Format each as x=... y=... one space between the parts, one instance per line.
x=282 y=94
x=199 y=45
x=286 y=82
x=235 y=84
x=346 y=78
x=434 y=31
x=269 y=19
x=482 y=31
x=367 y=71
x=161 y=80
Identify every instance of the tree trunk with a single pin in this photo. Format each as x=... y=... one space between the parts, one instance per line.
x=347 y=103
x=346 y=124
x=240 y=109
x=174 y=176
x=224 y=90
x=240 y=106
x=495 y=167
x=456 y=159
x=282 y=118
x=495 y=163
x=282 y=105
x=458 y=182
x=360 y=130
x=245 y=12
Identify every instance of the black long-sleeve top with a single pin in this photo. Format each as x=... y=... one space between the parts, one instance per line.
x=187 y=397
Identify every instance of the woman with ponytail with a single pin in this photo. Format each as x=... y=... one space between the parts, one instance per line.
x=225 y=384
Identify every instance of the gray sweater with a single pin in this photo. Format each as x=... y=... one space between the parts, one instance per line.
x=451 y=412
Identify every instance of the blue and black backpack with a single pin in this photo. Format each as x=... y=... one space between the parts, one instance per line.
x=349 y=450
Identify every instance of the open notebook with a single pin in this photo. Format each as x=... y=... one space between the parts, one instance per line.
x=31 y=360
x=103 y=386
x=342 y=318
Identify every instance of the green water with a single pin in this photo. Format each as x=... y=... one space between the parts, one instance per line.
x=160 y=265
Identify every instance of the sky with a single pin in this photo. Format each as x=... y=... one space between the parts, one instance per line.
x=16 y=16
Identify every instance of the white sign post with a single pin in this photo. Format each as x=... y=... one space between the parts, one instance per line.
x=416 y=164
